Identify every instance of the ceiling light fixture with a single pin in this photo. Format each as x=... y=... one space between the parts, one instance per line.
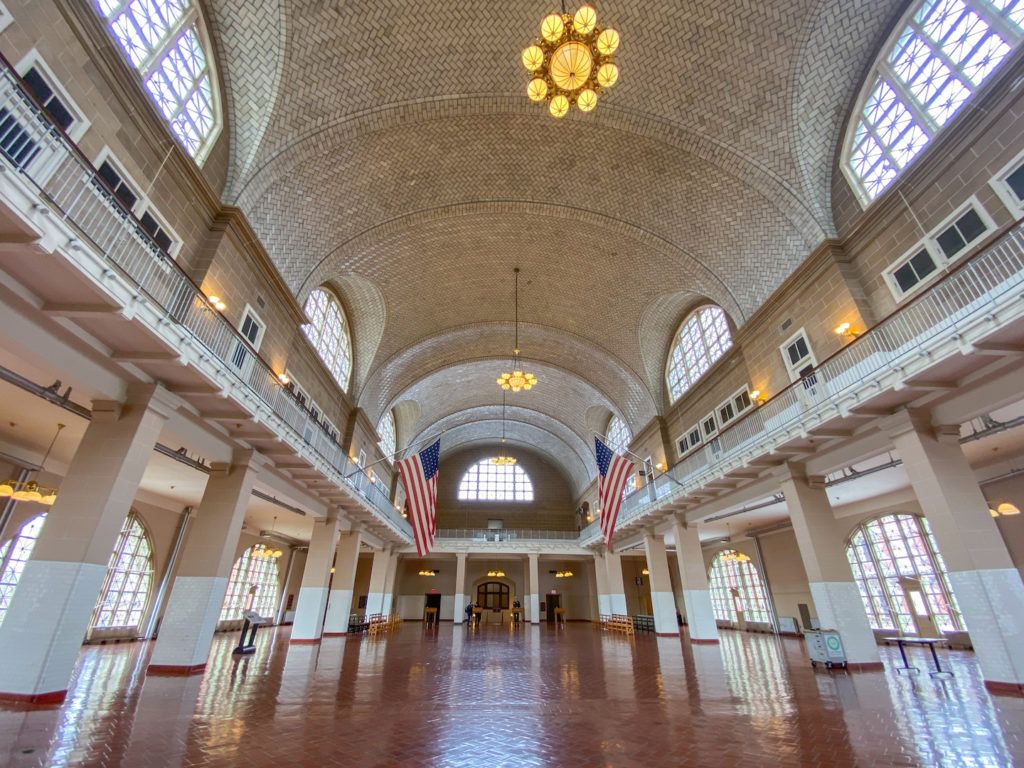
x=31 y=490
x=1005 y=509
x=572 y=62
x=501 y=459
x=496 y=574
x=264 y=551
x=563 y=574
x=518 y=379
x=428 y=572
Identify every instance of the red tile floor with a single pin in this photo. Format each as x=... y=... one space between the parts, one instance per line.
x=529 y=697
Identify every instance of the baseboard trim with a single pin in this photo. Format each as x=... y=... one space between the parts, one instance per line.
x=335 y=634
x=303 y=641
x=1004 y=689
x=48 y=699
x=705 y=640
x=865 y=666
x=177 y=670
x=666 y=634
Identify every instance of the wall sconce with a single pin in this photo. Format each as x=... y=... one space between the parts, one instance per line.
x=645 y=572
x=217 y=303
x=660 y=466
x=284 y=379
x=844 y=329
x=757 y=397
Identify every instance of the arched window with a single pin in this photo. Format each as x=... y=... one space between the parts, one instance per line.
x=492 y=595
x=386 y=430
x=487 y=481
x=702 y=339
x=737 y=586
x=327 y=331
x=618 y=437
x=884 y=554
x=13 y=556
x=940 y=54
x=166 y=41
x=129 y=576
x=254 y=585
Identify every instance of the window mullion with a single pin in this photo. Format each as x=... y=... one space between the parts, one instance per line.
x=153 y=59
x=918 y=110
x=999 y=24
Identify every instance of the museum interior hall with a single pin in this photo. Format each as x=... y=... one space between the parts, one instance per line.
x=561 y=383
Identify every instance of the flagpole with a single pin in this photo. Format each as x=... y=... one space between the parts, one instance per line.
x=395 y=455
x=643 y=462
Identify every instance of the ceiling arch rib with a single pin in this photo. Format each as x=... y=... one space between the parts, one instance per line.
x=553 y=346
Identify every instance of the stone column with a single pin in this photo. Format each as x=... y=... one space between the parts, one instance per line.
x=460 y=588
x=616 y=590
x=604 y=605
x=693 y=580
x=533 y=596
x=197 y=595
x=823 y=552
x=390 y=584
x=52 y=606
x=987 y=586
x=316 y=576
x=663 y=602
x=339 y=603
x=378 y=581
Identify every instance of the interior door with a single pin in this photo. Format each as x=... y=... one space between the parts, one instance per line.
x=553 y=601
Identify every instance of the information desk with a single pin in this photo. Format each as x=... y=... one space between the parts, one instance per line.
x=931 y=643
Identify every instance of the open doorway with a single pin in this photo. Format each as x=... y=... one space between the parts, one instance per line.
x=551 y=603
x=432 y=601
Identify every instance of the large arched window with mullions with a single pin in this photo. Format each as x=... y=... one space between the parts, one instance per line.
x=167 y=42
x=618 y=437
x=897 y=567
x=126 y=589
x=736 y=586
x=388 y=439
x=487 y=481
x=13 y=556
x=702 y=339
x=254 y=586
x=327 y=331
x=939 y=55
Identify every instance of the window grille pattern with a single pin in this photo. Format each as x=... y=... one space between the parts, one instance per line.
x=255 y=576
x=125 y=592
x=618 y=436
x=947 y=49
x=487 y=481
x=750 y=594
x=386 y=430
x=703 y=338
x=327 y=331
x=163 y=40
x=13 y=556
x=883 y=550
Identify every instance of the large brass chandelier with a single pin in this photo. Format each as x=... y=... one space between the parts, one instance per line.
x=518 y=379
x=31 y=490
x=572 y=61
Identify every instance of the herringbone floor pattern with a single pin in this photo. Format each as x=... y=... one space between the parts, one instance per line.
x=530 y=697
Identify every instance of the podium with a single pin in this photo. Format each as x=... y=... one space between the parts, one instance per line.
x=252 y=622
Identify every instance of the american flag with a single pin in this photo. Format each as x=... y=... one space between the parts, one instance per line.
x=613 y=472
x=419 y=478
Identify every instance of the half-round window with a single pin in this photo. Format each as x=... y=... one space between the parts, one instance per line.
x=254 y=586
x=736 y=585
x=327 y=331
x=125 y=592
x=487 y=481
x=166 y=41
x=618 y=437
x=702 y=339
x=940 y=54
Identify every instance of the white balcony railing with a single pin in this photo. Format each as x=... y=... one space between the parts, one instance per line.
x=505 y=534
x=905 y=341
x=34 y=148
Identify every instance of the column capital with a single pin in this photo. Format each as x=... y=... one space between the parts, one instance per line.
x=461 y=556
x=153 y=397
x=797 y=471
x=919 y=421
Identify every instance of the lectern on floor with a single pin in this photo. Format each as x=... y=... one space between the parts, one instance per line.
x=253 y=621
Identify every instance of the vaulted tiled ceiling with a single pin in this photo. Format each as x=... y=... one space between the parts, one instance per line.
x=388 y=149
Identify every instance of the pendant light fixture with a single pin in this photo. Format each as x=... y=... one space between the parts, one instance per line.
x=518 y=379
x=501 y=459
x=264 y=551
x=31 y=490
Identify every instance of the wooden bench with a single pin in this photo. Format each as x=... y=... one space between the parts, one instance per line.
x=617 y=623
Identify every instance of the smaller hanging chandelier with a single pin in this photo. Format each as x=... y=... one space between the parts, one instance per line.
x=501 y=459
x=265 y=551
x=518 y=379
x=572 y=62
x=496 y=574
x=31 y=490
x=735 y=557
x=563 y=574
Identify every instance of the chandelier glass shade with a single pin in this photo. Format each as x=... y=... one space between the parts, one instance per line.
x=31 y=490
x=263 y=551
x=563 y=574
x=735 y=557
x=518 y=379
x=571 y=62
x=496 y=574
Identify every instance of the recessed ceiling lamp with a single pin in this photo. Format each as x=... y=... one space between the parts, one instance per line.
x=518 y=379
x=572 y=62
x=31 y=490
x=501 y=459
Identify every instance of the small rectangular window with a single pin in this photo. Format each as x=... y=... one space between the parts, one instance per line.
x=798 y=356
x=742 y=401
x=122 y=191
x=726 y=413
x=916 y=269
x=6 y=19
x=708 y=425
x=1008 y=185
x=1015 y=181
x=252 y=330
x=50 y=102
x=156 y=231
x=967 y=229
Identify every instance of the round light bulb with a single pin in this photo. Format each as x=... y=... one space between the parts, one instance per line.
x=607 y=75
x=533 y=58
x=552 y=27
x=537 y=90
x=587 y=100
x=585 y=20
x=607 y=42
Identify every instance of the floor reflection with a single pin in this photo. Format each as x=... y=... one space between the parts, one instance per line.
x=528 y=696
